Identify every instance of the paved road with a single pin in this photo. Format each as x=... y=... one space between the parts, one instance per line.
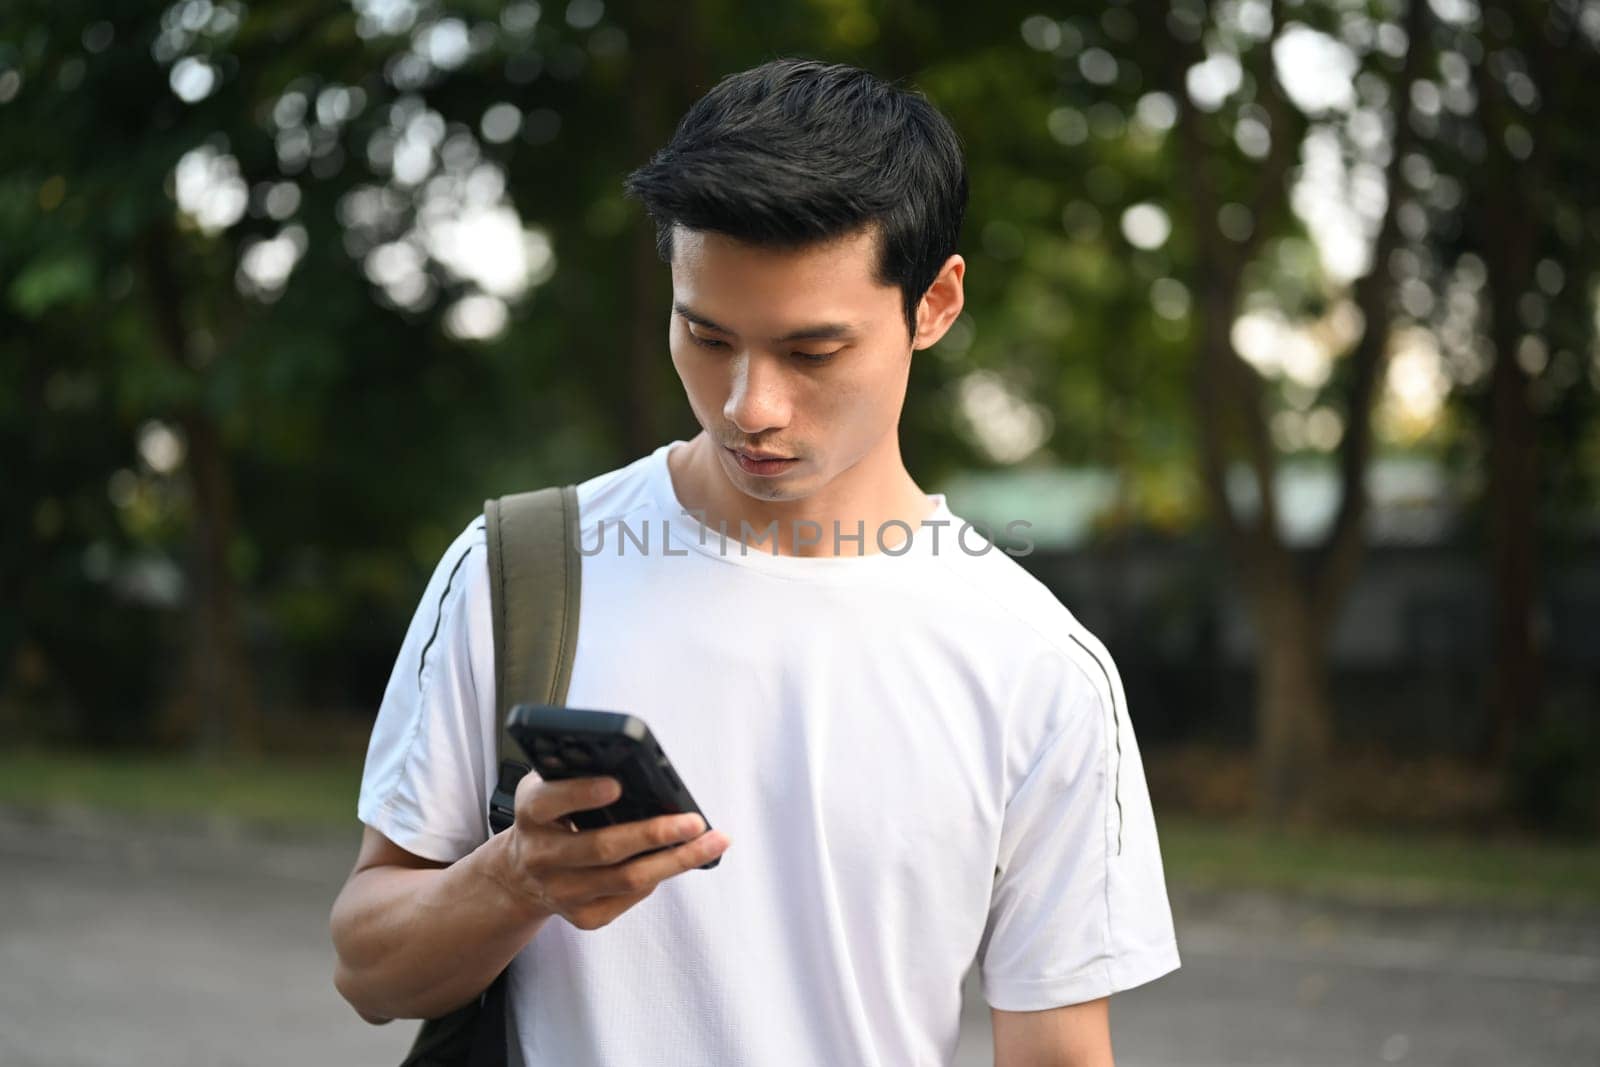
x=172 y=948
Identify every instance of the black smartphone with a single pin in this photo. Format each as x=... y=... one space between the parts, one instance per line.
x=578 y=743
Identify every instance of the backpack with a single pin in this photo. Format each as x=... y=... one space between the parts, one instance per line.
x=535 y=577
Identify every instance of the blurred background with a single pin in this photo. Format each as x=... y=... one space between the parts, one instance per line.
x=1283 y=332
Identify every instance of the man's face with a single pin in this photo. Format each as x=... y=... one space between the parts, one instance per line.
x=801 y=354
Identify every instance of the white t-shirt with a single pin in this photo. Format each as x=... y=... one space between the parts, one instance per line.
x=921 y=759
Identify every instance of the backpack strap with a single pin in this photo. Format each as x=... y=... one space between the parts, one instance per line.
x=535 y=572
x=535 y=582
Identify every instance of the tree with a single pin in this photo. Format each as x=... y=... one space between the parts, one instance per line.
x=1511 y=267
x=1295 y=597
x=313 y=282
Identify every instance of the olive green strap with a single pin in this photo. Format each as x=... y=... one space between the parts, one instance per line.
x=535 y=571
x=535 y=581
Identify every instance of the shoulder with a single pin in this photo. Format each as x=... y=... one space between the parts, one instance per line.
x=472 y=538
x=1067 y=715
x=616 y=494
x=464 y=566
x=460 y=566
x=456 y=603
x=608 y=497
x=1041 y=635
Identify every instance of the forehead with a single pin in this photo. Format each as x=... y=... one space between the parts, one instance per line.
x=744 y=281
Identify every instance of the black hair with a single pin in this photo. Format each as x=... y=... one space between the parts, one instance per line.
x=796 y=152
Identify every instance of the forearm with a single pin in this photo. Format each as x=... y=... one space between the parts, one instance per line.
x=1075 y=1035
x=415 y=944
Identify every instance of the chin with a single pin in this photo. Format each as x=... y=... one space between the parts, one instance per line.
x=763 y=488
x=768 y=489
x=772 y=493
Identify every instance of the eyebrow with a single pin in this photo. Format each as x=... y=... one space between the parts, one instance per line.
x=822 y=331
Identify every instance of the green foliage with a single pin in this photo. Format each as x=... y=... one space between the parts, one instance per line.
x=63 y=276
x=358 y=428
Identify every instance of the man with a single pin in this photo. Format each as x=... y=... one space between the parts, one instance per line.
x=914 y=755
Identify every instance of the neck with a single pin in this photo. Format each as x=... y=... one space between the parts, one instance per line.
x=868 y=495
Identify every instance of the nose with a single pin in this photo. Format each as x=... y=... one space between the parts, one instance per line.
x=758 y=397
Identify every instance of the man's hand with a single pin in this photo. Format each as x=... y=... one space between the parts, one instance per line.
x=416 y=938
x=587 y=877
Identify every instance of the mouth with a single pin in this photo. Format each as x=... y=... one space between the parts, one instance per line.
x=762 y=464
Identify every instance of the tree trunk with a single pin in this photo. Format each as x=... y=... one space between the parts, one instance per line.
x=213 y=709
x=1515 y=689
x=1513 y=193
x=1294 y=714
x=1293 y=607
x=665 y=72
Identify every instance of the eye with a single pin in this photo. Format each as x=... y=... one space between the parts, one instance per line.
x=818 y=357
x=707 y=342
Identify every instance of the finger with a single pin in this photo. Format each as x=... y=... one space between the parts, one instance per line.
x=643 y=874
x=540 y=801
x=610 y=845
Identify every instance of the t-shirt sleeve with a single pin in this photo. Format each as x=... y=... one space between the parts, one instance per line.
x=1079 y=907
x=431 y=755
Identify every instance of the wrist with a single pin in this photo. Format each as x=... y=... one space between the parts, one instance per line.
x=501 y=867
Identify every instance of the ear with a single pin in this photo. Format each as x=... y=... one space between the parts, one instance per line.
x=941 y=304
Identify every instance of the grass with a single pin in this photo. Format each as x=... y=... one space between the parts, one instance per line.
x=1396 y=867
x=1203 y=854
x=281 y=794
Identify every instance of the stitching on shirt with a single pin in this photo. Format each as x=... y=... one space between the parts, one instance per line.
x=1111 y=971
x=402 y=817
x=989 y=596
x=410 y=752
x=438 y=617
x=1116 y=730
